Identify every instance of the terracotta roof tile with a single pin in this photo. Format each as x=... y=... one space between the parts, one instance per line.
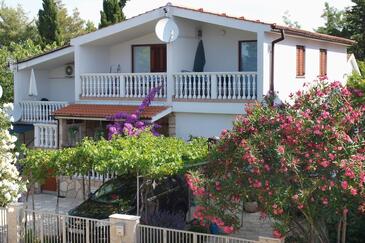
x=103 y=111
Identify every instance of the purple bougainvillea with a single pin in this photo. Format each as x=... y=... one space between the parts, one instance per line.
x=131 y=124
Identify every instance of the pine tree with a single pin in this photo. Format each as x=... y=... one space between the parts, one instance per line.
x=48 y=26
x=112 y=12
x=355 y=17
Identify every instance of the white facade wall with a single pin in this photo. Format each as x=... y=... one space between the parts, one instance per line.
x=61 y=88
x=92 y=59
x=204 y=125
x=286 y=81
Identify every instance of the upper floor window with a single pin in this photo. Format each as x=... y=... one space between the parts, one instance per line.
x=322 y=62
x=300 y=61
x=248 y=56
x=149 y=58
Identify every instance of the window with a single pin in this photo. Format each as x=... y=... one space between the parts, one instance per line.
x=149 y=58
x=322 y=62
x=300 y=61
x=248 y=56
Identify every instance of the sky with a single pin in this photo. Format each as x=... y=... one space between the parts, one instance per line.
x=307 y=13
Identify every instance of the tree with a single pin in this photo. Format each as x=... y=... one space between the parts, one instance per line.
x=10 y=182
x=355 y=26
x=290 y=23
x=334 y=21
x=14 y=52
x=72 y=25
x=303 y=162
x=15 y=25
x=112 y=12
x=48 y=23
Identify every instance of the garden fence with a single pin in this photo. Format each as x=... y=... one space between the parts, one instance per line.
x=151 y=234
x=20 y=225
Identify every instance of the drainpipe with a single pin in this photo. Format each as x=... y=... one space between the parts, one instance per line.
x=272 y=87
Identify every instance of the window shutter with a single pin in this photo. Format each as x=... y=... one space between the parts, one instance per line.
x=300 y=61
x=322 y=62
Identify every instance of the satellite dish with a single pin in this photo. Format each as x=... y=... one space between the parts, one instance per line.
x=1 y=91
x=167 y=30
x=17 y=113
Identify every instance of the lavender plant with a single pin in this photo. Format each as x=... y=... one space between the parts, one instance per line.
x=123 y=123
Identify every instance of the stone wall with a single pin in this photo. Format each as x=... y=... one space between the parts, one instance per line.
x=73 y=187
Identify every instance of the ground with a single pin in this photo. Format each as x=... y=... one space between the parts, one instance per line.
x=47 y=202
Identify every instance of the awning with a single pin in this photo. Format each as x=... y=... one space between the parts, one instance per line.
x=101 y=112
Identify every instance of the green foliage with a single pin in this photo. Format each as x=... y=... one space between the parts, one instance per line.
x=48 y=23
x=112 y=12
x=355 y=19
x=289 y=22
x=15 y=25
x=72 y=25
x=356 y=84
x=146 y=154
x=334 y=21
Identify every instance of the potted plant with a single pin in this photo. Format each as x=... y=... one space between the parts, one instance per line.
x=250 y=205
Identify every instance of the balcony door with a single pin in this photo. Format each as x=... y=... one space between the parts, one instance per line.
x=149 y=58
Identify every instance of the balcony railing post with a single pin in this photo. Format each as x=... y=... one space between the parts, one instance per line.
x=122 y=85
x=170 y=88
x=214 y=88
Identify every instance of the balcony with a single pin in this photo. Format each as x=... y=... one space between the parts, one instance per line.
x=187 y=86
x=39 y=111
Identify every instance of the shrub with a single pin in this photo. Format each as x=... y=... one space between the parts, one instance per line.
x=302 y=162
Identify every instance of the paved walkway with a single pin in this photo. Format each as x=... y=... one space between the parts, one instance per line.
x=47 y=202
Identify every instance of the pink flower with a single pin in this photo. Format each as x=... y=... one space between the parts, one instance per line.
x=281 y=149
x=300 y=206
x=228 y=229
x=218 y=186
x=344 y=185
x=325 y=200
x=295 y=197
x=353 y=192
x=276 y=233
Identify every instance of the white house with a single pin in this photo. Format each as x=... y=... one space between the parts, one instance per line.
x=113 y=68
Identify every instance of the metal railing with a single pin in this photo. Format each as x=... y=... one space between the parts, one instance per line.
x=49 y=227
x=216 y=85
x=96 y=176
x=152 y=234
x=45 y=136
x=3 y=226
x=130 y=85
x=40 y=111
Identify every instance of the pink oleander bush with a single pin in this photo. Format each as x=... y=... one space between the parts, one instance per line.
x=302 y=161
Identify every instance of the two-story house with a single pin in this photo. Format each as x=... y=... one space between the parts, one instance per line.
x=112 y=70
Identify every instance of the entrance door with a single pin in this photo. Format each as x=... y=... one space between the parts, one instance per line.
x=50 y=184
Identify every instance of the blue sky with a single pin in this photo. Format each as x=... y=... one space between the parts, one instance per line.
x=307 y=12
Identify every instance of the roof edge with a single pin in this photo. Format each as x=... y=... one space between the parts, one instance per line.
x=313 y=35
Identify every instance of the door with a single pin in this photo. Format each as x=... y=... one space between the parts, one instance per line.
x=149 y=58
x=50 y=184
x=158 y=58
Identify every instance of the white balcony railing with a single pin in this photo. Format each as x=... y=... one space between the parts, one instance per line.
x=40 y=111
x=130 y=85
x=45 y=136
x=222 y=85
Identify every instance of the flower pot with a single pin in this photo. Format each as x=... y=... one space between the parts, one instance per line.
x=251 y=207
